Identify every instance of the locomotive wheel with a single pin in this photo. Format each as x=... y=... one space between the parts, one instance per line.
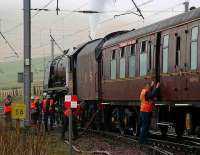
x=163 y=130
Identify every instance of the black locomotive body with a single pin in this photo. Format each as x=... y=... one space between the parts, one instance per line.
x=110 y=72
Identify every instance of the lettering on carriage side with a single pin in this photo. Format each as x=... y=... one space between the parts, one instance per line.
x=126 y=43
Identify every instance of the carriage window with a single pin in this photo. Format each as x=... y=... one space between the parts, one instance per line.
x=143 y=59
x=178 y=49
x=143 y=50
x=122 y=52
x=151 y=56
x=113 y=54
x=122 y=63
x=133 y=49
x=113 y=66
x=165 y=53
x=132 y=62
x=194 y=49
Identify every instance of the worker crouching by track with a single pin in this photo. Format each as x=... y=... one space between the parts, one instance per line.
x=147 y=104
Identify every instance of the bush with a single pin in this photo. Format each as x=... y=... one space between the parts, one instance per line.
x=26 y=143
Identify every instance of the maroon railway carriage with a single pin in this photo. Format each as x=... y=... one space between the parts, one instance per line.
x=113 y=70
x=167 y=51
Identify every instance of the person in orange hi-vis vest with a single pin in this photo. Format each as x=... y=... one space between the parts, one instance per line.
x=7 y=110
x=45 y=109
x=66 y=113
x=35 y=109
x=147 y=96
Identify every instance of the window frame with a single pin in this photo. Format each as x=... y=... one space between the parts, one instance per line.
x=132 y=55
x=143 y=53
x=113 y=60
x=164 y=47
x=195 y=40
x=122 y=58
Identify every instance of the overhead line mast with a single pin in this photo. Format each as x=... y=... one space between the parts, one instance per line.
x=27 y=57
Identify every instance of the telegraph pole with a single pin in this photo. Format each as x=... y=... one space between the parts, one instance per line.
x=27 y=56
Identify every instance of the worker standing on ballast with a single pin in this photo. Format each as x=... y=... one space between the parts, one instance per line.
x=146 y=107
x=45 y=110
x=34 y=111
x=66 y=113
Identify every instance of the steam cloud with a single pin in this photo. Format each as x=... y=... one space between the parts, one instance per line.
x=96 y=5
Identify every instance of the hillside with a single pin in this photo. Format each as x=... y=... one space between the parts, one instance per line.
x=8 y=72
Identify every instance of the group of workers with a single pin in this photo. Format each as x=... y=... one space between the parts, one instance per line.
x=49 y=109
x=52 y=113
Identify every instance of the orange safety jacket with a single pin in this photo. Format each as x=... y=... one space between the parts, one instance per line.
x=33 y=105
x=44 y=105
x=146 y=106
x=78 y=111
x=7 y=107
x=67 y=111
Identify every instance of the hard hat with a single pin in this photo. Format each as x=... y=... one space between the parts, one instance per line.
x=44 y=94
x=32 y=97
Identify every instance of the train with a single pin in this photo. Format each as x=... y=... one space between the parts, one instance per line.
x=108 y=74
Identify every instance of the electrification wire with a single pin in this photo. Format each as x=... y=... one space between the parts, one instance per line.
x=19 y=25
x=9 y=44
x=87 y=28
x=45 y=6
x=37 y=13
x=152 y=15
x=59 y=47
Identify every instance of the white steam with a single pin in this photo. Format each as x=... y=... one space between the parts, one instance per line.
x=96 y=5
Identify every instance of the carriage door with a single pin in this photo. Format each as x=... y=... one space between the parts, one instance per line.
x=180 y=59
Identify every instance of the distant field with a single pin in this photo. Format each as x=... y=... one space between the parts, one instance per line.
x=8 y=73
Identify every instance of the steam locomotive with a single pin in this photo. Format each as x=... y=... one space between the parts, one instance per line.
x=108 y=74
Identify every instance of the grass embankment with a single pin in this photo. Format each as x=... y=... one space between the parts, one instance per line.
x=30 y=142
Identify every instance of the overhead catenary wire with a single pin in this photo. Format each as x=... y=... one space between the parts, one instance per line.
x=20 y=24
x=59 y=47
x=87 y=28
x=9 y=44
x=138 y=9
x=37 y=13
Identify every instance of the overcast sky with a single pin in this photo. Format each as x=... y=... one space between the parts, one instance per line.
x=70 y=28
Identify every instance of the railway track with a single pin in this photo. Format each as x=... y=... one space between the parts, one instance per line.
x=157 y=145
